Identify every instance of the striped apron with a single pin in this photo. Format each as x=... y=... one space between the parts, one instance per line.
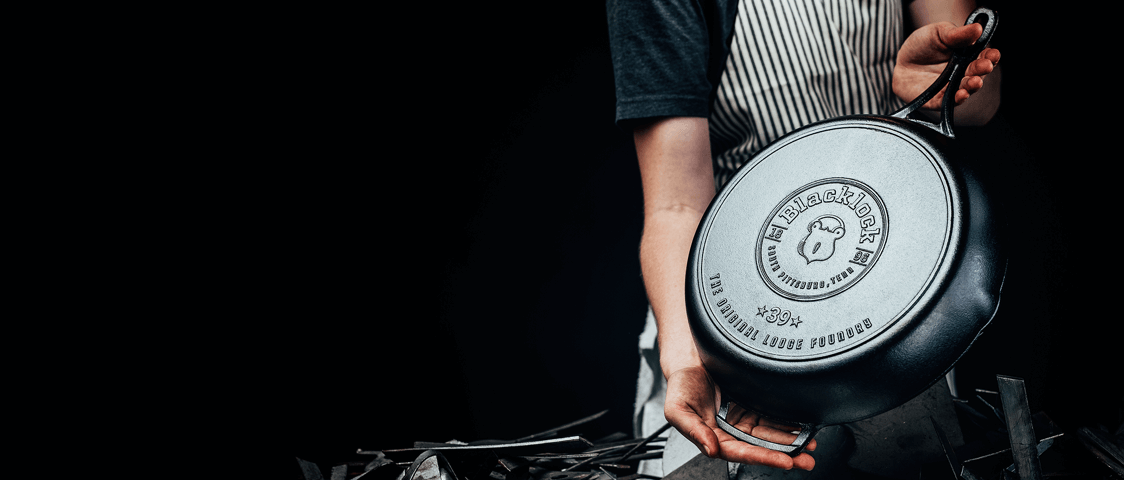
x=794 y=62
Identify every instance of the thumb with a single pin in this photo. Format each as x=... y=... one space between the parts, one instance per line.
x=704 y=438
x=691 y=424
x=962 y=36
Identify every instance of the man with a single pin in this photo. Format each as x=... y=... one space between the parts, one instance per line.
x=703 y=86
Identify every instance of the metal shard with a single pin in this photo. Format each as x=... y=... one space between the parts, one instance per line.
x=1020 y=428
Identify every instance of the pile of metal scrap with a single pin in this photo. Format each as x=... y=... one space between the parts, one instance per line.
x=1002 y=440
x=541 y=456
x=1009 y=443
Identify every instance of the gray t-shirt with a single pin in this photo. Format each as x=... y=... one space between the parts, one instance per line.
x=757 y=69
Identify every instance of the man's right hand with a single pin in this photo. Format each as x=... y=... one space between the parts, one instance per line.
x=691 y=406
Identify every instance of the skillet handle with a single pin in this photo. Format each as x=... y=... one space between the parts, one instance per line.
x=954 y=72
x=793 y=449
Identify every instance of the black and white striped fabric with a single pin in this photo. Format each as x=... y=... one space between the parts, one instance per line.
x=794 y=62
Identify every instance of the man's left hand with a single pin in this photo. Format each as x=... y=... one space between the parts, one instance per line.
x=925 y=53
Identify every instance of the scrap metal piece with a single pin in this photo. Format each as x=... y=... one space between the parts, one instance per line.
x=339 y=472
x=538 y=473
x=635 y=456
x=566 y=476
x=428 y=469
x=1103 y=448
x=380 y=469
x=646 y=440
x=379 y=461
x=701 y=466
x=998 y=414
x=594 y=456
x=560 y=456
x=428 y=445
x=601 y=447
x=967 y=474
x=613 y=437
x=1020 y=428
x=604 y=451
x=949 y=453
x=992 y=454
x=310 y=470
x=555 y=430
x=565 y=444
x=1043 y=445
x=510 y=464
x=430 y=465
x=965 y=408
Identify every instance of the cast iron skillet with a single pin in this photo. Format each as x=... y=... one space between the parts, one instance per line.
x=846 y=267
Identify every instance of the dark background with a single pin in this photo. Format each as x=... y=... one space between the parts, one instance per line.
x=476 y=274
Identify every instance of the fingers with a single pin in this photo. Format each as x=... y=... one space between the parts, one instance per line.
x=714 y=442
x=783 y=436
x=754 y=424
x=982 y=65
x=803 y=461
x=699 y=433
x=968 y=86
x=974 y=75
x=739 y=415
x=734 y=450
x=991 y=54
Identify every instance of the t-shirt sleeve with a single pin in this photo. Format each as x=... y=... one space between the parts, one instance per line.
x=660 y=56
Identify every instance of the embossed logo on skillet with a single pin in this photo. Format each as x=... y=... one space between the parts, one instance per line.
x=822 y=239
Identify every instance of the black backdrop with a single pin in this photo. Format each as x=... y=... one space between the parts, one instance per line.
x=473 y=270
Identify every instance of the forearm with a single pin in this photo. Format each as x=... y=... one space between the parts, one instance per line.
x=678 y=183
x=664 y=249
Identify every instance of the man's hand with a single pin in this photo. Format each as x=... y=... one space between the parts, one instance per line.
x=924 y=54
x=678 y=181
x=690 y=407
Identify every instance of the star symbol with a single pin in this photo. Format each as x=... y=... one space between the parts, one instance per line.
x=761 y=310
x=795 y=321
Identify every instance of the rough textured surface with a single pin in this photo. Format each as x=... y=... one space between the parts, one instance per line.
x=699 y=467
x=835 y=444
x=897 y=443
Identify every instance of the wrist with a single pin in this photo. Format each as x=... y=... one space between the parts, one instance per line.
x=678 y=357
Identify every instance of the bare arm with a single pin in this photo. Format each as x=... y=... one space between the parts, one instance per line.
x=678 y=184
